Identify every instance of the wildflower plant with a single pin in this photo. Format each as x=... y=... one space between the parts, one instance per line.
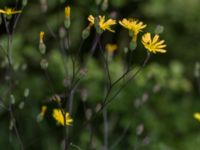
x=62 y=113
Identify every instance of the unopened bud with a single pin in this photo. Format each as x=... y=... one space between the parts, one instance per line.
x=197 y=70
x=24 y=3
x=67 y=22
x=42 y=48
x=132 y=45
x=12 y=99
x=86 y=33
x=62 y=32
x=44 y=64
x=104 y=5
x=159 y=29
x=98 y=2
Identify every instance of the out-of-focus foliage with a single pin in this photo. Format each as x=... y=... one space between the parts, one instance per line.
x=162 y=98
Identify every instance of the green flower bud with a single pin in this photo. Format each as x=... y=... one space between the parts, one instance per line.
x=86 y=33
x=44 y=64
x=67 y=22
x=24 y=3
x=159 y=29
x=42 y=48
x=132 y=45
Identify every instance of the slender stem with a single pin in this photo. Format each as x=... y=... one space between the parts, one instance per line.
x=105 y=120
x=106 y=64
x=131 y=78
x=15 y=127
x=96 y=40
x=106 y=100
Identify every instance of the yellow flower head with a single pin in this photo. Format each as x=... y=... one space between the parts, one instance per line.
x=110 y=48
x=10 y=11
x=103 y=24
x=43 y=110
x=197 y=116
x=133 y=24
x=67 y=11
x=58 y=116
x=153 y=45
x=41 y=37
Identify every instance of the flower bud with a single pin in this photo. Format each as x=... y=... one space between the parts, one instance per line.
x=132 y=45
x=42 y=48
x=86 y=33
x=24 y=3
x=67 y=23
x=197 y=70
x=159 y=29
x=44 y=64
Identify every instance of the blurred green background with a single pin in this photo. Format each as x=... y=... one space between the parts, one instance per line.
x=160 y=102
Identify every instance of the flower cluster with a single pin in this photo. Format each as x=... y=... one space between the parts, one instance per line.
x=153 y=45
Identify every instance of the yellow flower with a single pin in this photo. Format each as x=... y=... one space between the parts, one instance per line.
x=67 y=11
x=10 y=11
x=103 y=24
x=197 y=116
x=110 y=48
x=43 y=110
x=153 y=45
x=133 y=25
x=58 y=116
x=41 y=37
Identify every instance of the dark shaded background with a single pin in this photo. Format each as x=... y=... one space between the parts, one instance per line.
x=162 y=99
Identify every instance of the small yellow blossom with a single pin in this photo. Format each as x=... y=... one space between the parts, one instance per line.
x=10 y=11
x=41 y=37
x=58 y=116
x=103 y=24
x=153 y=45
x=110 y=48
x=133 y=25
x=43 y=110
x=197 y=116
x=67 y=11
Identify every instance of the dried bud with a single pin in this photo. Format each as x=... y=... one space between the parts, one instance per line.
x=26 y=92
x=140 y=129
x=197 y=70
x=62 y=32
x=44 y=64
x=88 y=114
x=159 y=29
